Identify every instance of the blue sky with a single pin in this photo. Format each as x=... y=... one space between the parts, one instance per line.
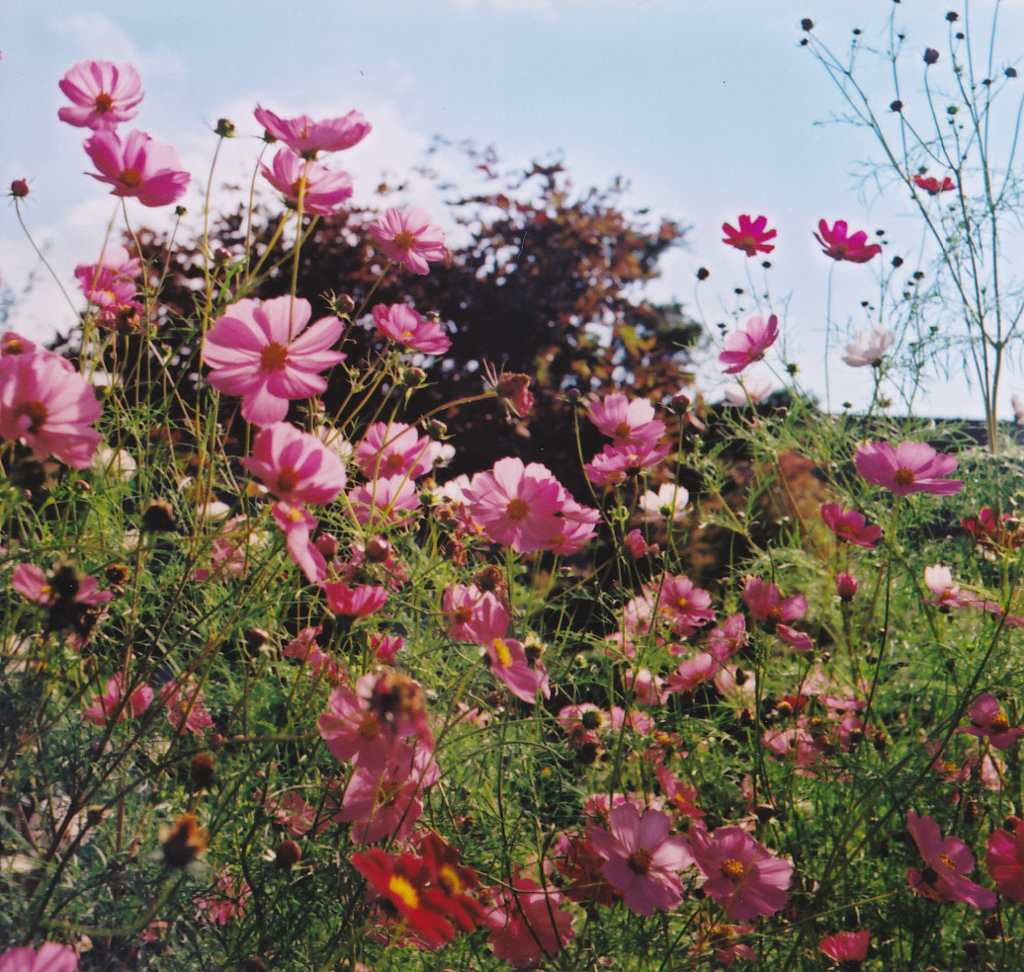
x=708 y=107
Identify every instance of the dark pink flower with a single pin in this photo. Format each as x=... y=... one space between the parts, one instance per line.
x=297 y=525
x=641 y=860
x=103 y=94
x=184 y=709
x=402 y=324
x=295 y=466
x=742 y=876
x=1005 y=861
x=989 y=721
x=260 y=352
x=947 y=862
x=113 y=703
x=768 y=607
x=838 y=245
x=932 y=186
x=527 y=924
x=849 y=525
x=580 y=864
x=752 y=237
x=727 y=640
x=408 y=237
x=357 y=602
x=51 y=957
x=48 y=407
x=912 y=467
x=475 y=615
x=138 y=167
x=625 y=421
x=849 y=949
x=846 y=586
x=749 y=344
x=307 y=137
x=325 y=191
x=110 y=282
x=352 y=730
x=616 y=463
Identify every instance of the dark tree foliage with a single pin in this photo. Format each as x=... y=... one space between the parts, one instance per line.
x=550 y=285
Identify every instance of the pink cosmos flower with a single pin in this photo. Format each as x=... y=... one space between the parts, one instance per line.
x=295 y=466
x=725 y=641
x=768 y=608
x=849 y=949
x=185 y=710
x=511 y=666
x=691 y=672
x=48 y=407
x=516 y=505
x=989 y=721
x=351 y=730
x=749 y=391
x=408 y=237
x=868 y=348
x=616 y=463
x=626 y=422
x=742 y=876
x=744 y=347
x=641 y=860
x=576 y=859
x=325 y=191
x=260 y=352
x=838 y=245
x=356 y=602
x=527 y=924
x=724 y=941
x=1005 y=861
x=103 y=94
x=51 y=957
x=932 y=186
x=391 y=500
x=139 y=167
x=402 y=324
x=395 y=449
x=113 y=703
x=307 y=137
x=947 y=862
x=752 y=237
x=475 y=615
x=679 y=796
x=912 y=467
x=849 y=525
x=226 y=900
x=297 y=525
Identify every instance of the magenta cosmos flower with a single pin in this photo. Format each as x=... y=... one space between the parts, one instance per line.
x=48 y=407
x=752 y=237
x=849 y=525
x=641 y=860
x=749 y=344
x=402 y=324
x=1005 y=861
x=103 y=94
x=838 y=245
x=296 y=466
x=912 y=467
x=742 y=876
x=626 y=422
x=325 y=193
x=51 y=957
x=139 y=167
x=307 y=137
x=408 y=237
x=932 y=186
x=849 y=949
x=769 y=608
x=261 y=353
x=988 y=721
x=947 y=862
x=527 y=924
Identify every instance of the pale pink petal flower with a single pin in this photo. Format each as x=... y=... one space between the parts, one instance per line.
x=616 y=463
x=868 y=348
x=307 y=137
x=402 y=324
x=103 y=94
x=295 y=466
x=391 y=500
x=325 y=191
x=138 y=167
x=266 y=354
x=408 y=237
x=911 y=467
x=624 y=421
x=395 y=449
x=297 y=525
x=516 y=505
x=988 y=721
x=51 y=957
x=669 y=503
x=749 y=391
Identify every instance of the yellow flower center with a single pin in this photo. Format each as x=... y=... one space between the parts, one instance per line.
x=405 y=240
x=501 y=650
x=287 y=479
x=401 y=888
x=732 y=869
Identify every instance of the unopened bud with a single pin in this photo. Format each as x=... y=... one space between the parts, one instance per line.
x=19 y=188
x=288 y=854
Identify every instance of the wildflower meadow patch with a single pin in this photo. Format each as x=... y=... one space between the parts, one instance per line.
x=332 y=642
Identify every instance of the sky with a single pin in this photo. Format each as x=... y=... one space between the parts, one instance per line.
x=708 y=108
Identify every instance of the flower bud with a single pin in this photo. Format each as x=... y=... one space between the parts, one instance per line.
x=846 y=587
x=930 y=55
x=19 y=188
x=202 y=769
x=288 y=854
x=225 y=128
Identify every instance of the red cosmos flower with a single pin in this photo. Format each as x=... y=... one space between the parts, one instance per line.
x=932 y=185
x=849 y=525
x=911 y=467
x=325 y=191
x=402 y=881
x=839 y=246
x=408 y=237
x=849 y=949
x=747 y=345
x=139 y=167
x=742 y=876
x=1005 y=861
x=989 y=721
x=307 y=137
x=767 y=606
x=947 y=862
x=454 y=879
x=103 y=94
x=752 y=236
